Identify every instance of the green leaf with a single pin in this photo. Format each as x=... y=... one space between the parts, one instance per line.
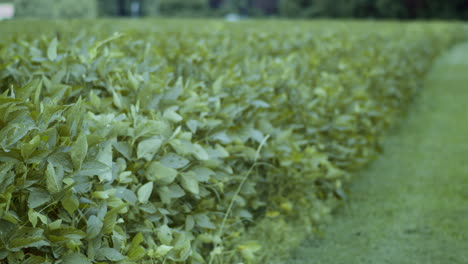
x=189 y=181
x=65 y=234
x=30 y=147
x=144 y=192
x=37 y=197
x=164 y=234
x=199 y=152
x=94 y=227
x=248 y=249
x=160 y=173
x=193 y=125
x=203 y=174
x=117 y=99
x=126 y=194
x=123 y=148
x=167 y=193
x=148 y=148
x=70 y=202
x=111 y=254
x=76 y=258
x=105 y=157
x=110 y=219
x=204 y=221
x=171 y=115
x=30 y=242
x=53 y=179
x=52 y=50
x=174 y=161
x=163 y=250
x=35 y=260
x=7 y=176
x=136 y=251
x=79 y=151
x=91 y=168
x=34 y=239
x=27 y=90
x=33 y=216
x=56 y=224
x=15 y=131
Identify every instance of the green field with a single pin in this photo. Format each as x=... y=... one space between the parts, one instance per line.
x=418 y=211
x=195 y=141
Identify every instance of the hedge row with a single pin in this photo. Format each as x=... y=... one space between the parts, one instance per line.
x=173 y=142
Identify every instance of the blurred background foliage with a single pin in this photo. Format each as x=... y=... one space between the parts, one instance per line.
x=386 y=9
x=56 y=8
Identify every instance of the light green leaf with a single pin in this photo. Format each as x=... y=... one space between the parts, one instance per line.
x=167 y=193
x=53 y=179
x=35 y=260
x=94 y=227
x=163 y=250
x=15 y=131
x=126 y=194
x=136 y=251
x=193 y=125
x=105 y=157
x=79 y=150
x=189 y=181
x=27 y=90
x=70 y=202
x=37 y=197
x=204 y=221
x=148 y=148
x=171 y=115
x=111 y=254
x=160 y=173
x=76 y=258
x=52 y=50
x=33 y=216
x=144 y=192
x=55 y=225
x=28 y=149
x=174 y=161
x=91 y=168
x=94 y=100
x=123 y=148
x=117 y=99
x=218 y=85
x=203 y=174
x=199 y=152
x=111 y=218
x=222 y=137
x=164 y=234
x=248 y=249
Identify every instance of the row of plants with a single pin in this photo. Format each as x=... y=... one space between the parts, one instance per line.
x=163 y=141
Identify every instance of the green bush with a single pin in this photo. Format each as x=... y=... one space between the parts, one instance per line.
x=108 y=8
x=192 y=141
x=151 y=7
x=56 y=8
x=183 y=7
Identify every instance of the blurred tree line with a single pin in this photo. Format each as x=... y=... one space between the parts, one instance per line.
x=388 y=9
